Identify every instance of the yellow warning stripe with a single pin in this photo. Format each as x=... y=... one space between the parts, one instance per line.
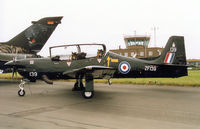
x=114 y=60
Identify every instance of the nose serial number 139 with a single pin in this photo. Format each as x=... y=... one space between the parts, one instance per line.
x=33 y=74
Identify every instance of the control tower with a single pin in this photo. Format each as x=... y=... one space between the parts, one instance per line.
x=137 y=46
x=136 y=41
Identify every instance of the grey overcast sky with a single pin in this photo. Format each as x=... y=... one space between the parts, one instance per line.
x=106 y=21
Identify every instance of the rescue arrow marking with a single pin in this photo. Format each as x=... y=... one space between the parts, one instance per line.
x=111 y=60
x=108 y=61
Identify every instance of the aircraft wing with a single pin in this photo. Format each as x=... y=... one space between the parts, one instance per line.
x=95 y=71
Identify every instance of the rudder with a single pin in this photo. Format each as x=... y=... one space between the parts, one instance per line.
x=174 y=52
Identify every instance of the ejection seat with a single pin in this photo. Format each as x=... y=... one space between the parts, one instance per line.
x=78 y=56
x=100 y=53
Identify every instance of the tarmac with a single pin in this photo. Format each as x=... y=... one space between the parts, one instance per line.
x=113 y=107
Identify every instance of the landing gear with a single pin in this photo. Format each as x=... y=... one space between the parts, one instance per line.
x=22 y=92
x=78 y=86
x=109 y=82
x=87 y=94
x=87 y=91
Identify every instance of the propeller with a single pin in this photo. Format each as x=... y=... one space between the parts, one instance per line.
x=14 y=69
x=14 y=72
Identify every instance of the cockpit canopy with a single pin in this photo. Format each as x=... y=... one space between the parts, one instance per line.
x=77 y=51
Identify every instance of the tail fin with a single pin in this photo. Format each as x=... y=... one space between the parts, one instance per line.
x=34 y=37
x=174 y=52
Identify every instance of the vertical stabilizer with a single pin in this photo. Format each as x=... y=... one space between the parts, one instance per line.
x=34 y=37
x=174 y=52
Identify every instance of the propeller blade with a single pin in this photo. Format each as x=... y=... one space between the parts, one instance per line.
x=16 y=74
x=13 y=73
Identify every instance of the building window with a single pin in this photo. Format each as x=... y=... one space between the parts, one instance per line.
x=141 y=53
x=150 y=53
x=126 y=54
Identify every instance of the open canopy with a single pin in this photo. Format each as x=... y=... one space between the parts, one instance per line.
x=77 y=51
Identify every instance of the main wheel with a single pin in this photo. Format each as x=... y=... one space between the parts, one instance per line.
x=21 y=92
x=77 y=88
x=87 y=94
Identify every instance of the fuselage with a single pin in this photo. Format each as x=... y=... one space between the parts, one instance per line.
x=123 y=67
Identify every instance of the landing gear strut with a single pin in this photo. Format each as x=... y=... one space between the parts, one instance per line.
x=78 y=86
x=22 y=92
x=88 y=92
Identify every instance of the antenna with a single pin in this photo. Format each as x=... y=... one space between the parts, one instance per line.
x=154 y=31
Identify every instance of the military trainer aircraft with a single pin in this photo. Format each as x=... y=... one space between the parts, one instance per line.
x=29 y=42
x=81 y=65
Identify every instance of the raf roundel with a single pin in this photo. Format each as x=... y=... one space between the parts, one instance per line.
x=124 y=67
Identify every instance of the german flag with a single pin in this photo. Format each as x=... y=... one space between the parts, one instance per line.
x=50 y=22
x=33 y=40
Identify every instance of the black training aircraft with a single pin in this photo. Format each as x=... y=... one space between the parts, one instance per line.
x=29 y=42
x=78 y=64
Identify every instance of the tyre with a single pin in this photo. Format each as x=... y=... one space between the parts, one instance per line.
x=21 y=92
x=87 y=94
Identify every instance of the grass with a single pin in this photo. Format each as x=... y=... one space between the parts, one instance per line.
x=193 y=79
x=9 y=76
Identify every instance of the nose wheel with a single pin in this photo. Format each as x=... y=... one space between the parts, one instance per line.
x=22 y=92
